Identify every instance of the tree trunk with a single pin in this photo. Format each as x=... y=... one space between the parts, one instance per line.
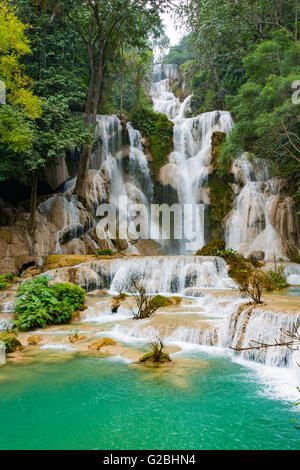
x=33 y=201
x=121 y=85
x=93 y=101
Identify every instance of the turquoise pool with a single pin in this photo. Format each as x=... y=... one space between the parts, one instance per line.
x=94 y=403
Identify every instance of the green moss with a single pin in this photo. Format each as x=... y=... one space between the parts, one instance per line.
x=159 y=301
x=150 y=357
x=6 y=279
x=212 y=248
x=105 y=252
x=158 y=130
x=219 y=184
x=239 y=267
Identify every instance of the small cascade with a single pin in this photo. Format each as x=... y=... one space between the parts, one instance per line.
x=138 y=164
x=292 y=272
x=109 y=132
x=262 y=326
x=63 y=211
x=165 y=71
x=172 y=274
x=168 y=274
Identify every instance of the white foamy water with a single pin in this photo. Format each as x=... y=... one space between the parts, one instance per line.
x=58 y=347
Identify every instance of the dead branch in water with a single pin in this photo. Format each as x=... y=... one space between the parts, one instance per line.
x=293 y=344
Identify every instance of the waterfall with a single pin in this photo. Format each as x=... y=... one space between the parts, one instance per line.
x=109 y=132
x=263 y=326
x=138 y=164
x=190 y=162
x=292 y=272
x=165 y=71
x=159 y=274
x=251 y=225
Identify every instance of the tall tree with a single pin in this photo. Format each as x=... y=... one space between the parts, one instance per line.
x=104 y=28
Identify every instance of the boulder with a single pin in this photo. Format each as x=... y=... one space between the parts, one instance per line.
x=257 y=255
x=102 y=343
x=11 y=342
x=33 y=340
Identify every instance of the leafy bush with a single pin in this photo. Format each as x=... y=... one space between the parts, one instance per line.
x=160 y=301
x=212 y=248
x=157 y=354
x=105 y=252
x=5 y=279
x=3 y=284
x=38 y=304
x=275 y=280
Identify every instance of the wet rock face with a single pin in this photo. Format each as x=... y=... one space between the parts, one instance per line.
x=283 y=217
x=56 y=174
x=258 y=255
x=15 y=251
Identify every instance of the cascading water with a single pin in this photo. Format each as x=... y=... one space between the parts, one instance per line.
x=168 y=274
x=138 y=164
x=190 y=162
x=248 y=227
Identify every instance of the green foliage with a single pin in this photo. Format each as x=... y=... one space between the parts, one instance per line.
x=221 y=197
x=39 y=304
x=157 y=355
x=58 y=67
x=295 y=257
x=275 y=280
x=181 y=53
x=22 y=105
x=159 y=132
x=160 y=301
x=267 y=119
x=3 y=284
x=5 y=279
x=212 y=248
x=105 y=252
x=239 y=268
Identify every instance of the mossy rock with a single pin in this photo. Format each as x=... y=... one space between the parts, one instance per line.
x=103 y=342
x=11 y=342
x=149 y=357
x=158 y=130
x=63 y=261
x=105 y=252
x=212 y=248
x=176 y=300
x=160 y=301
x=33 y=340
x=6 y=235
x=217 y=140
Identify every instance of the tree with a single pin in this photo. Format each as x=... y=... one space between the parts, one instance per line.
x=57 y=64
x=268 y=122
x=105 y=27
x=22 y=106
